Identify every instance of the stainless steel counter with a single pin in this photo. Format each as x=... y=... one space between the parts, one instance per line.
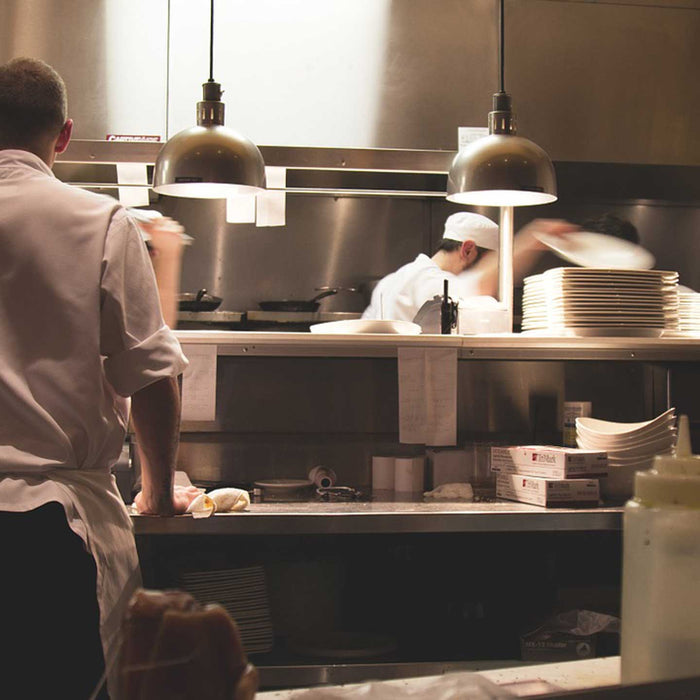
x=567 y=675
x=584 y=679
x=348 y=518
x=499 y=347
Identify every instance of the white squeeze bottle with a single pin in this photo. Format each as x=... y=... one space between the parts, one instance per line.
x=661 y=569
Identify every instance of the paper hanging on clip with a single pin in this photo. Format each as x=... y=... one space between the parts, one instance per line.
x=199 y=383
x=428 y=396
x=136 y=176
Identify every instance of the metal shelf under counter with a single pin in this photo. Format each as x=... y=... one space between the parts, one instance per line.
x=320 y=518
x=495 y=347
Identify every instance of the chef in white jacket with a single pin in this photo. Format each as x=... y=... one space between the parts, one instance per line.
x=466 y=258
x=81 y=331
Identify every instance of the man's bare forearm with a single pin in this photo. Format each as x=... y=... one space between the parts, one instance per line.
x=155 y=412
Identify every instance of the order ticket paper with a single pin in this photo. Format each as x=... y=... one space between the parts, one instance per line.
x=199 y=383
x=428 y=396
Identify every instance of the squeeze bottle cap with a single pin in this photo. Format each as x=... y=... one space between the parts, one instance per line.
x=674 y=479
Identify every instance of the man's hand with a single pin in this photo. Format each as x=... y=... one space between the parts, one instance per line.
x=182 y=497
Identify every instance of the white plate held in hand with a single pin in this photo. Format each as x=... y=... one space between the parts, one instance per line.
x=590 y=249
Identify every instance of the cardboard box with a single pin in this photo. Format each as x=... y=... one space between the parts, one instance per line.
x=549 y=462
x=573 y=634
x=548 y=492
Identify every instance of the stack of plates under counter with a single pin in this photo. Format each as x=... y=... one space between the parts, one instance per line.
x=588 y=301
x=243 y=593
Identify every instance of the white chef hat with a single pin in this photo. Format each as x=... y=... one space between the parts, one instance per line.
x=465 y=226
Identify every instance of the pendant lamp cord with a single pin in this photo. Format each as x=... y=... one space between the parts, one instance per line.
x=211 y=43
x=501 y=52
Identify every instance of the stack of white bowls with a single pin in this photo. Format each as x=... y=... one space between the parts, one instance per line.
x=631 y=447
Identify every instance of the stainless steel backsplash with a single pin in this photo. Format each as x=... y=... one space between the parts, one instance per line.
x=591 y=81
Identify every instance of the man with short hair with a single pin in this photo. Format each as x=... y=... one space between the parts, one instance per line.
x=464 y=258
x=80 y=331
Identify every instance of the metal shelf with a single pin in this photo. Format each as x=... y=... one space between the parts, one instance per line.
x=297 y=157
x=390 y=172
x=505 y=347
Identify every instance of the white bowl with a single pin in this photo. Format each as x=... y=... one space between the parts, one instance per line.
x=653 y=444
x=642 y=452
x=614 y=429
x=622 y=441
x=647 y=449
x=367 y=325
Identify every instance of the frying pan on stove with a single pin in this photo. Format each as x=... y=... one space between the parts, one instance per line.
x=296 y=305
x=198 y=301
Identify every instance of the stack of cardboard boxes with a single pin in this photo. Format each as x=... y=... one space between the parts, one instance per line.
x=544 y=475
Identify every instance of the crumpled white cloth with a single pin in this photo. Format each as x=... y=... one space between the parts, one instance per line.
x=452 y=491
x=223 y=500
x=229 y=500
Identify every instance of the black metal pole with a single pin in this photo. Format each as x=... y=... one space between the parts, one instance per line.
x=501 y=47
x=211 y=43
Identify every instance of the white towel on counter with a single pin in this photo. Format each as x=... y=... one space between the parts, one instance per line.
x=223 y=500
x=230 y=500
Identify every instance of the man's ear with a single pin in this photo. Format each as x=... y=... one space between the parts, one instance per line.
x=64 y=136
x=466 y=249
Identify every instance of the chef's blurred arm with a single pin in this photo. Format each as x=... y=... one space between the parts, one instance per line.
x=527 y=249
x=165 y=239
x=166 y=244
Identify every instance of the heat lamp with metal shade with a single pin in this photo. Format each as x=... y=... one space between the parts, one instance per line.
x=209 y=160
x=502 y=170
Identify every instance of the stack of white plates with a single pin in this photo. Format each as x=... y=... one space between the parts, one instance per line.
x=631 y=447
x=586 y=301
x=243 y=593
x=689 y=311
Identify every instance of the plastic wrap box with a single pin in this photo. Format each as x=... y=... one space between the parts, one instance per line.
x=549 y=462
